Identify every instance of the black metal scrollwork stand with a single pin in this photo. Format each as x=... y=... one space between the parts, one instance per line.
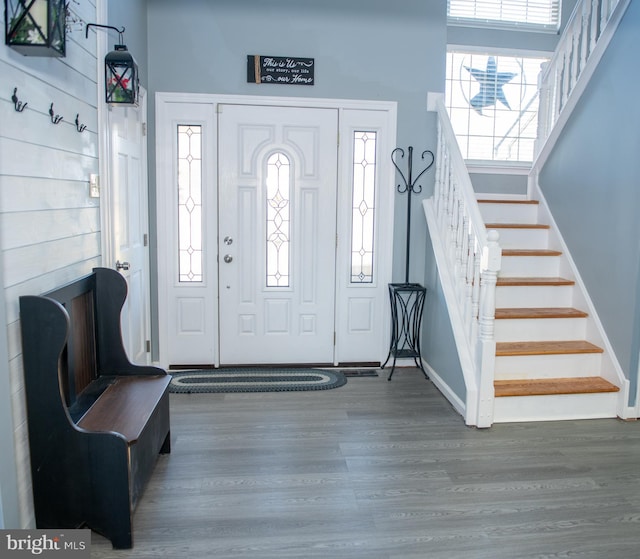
x=407 y=299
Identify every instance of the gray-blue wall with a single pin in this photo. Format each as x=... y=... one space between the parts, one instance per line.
x=592 y=184
x=132 y=15
x=363 y=49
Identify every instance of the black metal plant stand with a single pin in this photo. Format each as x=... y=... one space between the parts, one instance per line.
x=407 y=299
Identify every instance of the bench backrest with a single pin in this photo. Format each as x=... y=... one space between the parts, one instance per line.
x=75 y=331
x=78 y=361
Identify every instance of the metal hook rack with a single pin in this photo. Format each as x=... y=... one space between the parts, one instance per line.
x=57 y=119
x=410 y=186
x=19 y=106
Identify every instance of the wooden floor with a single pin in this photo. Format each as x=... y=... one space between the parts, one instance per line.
x=383 y=470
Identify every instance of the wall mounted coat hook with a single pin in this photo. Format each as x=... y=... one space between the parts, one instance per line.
x=55 y=119
x=19 y=106
x=79 y=127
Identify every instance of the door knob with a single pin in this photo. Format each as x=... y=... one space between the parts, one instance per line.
x=122 y=265
x=228 y=258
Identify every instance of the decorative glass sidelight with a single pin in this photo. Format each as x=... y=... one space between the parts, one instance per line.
x=363 y=206
x=278 y=208
x=190 y=203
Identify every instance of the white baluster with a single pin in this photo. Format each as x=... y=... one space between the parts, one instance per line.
x=459 y=269
x=451 y=237
x=566 y=71
x=475 y=307
x=491 y=259
x=446 y=194
x=543 y=107
x=604 y=16
x=594 y=25
x=439 y=169
x=584 y=39
x=468 y=302
x=575 y=55
x=557 y=93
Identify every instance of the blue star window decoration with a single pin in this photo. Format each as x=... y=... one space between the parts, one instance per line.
x=491 y=82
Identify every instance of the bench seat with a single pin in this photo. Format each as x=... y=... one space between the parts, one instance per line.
x=126 y=405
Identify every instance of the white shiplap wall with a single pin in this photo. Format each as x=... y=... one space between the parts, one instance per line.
x=49 y=226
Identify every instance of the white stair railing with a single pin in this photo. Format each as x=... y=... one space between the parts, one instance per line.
x=470 y=258
x=581 y=46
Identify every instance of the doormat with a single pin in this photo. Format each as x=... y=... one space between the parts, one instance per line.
x=254 y=380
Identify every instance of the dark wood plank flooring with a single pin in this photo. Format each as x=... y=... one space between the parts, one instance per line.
x=383 y=470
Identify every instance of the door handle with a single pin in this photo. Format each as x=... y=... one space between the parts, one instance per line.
x=228 y=258
x=122 y=265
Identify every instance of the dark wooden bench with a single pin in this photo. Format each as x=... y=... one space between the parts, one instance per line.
x=96 y=421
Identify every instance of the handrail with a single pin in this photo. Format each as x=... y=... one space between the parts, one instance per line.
x=579 y=49
x=471 y=256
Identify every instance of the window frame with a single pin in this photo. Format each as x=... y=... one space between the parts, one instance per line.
x=489 y=51
x=488 y=23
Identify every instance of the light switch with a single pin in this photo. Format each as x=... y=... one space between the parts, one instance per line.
x=94 y=185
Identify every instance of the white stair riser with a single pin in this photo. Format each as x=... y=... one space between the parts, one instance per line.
x=539 y=329
x=508 y=296
x=530 y=266
x=523 y=238
x=554 y=408
x=509 y=213
x=514 y=367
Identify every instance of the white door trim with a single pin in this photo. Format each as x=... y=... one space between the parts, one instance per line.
x=104 y=141
x=384 y=232
x=318 y=103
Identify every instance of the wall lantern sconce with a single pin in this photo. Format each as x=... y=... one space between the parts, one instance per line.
x=121 y=80
x=36 y=27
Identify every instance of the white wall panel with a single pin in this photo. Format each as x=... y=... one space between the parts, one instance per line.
x=28 y=262
x=33 y=193
x=49 y=225
x=17 y=230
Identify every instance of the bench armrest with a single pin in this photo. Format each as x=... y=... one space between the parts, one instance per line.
x=111 y=293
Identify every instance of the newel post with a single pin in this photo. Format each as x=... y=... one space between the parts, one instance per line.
x=486 y=348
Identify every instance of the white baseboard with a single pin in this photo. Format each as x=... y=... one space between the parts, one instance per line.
x=445 y=389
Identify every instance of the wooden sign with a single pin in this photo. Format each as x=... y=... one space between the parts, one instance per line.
x=280 y=69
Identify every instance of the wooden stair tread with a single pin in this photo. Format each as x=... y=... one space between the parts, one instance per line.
x=516 y=226
x=549 y=312
x=503 y=201
x=530 y=252
x=533 y=281
x=546 y=348
x=545 y=387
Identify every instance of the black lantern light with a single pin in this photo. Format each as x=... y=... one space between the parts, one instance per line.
x=36 y=27
x=121 y=82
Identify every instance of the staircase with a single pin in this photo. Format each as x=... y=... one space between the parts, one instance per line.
x=545 y=367
x=530 y=346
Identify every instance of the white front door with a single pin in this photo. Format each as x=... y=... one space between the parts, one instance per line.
x=277 y=234
x=274 y=239
x=129 y=223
